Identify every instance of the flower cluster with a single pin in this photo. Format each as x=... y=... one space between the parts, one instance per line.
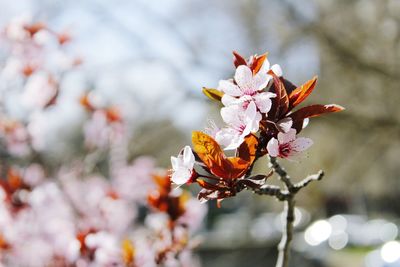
x=36 y=60
x=105 y=124
x=92 y=221
x=74 y=213
x=258 y=109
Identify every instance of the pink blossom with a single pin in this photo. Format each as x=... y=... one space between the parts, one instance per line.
x=182 y=167
x=134 y=181
x=40 y=90
x=34 y=174
x=266 y=67
x=288 y=145
x=241 y=122
x=99 y=132
x=248 y=88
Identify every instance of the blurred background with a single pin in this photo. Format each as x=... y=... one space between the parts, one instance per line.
x=151 y=59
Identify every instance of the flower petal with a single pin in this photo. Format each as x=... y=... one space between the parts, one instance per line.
x=229 y=88
x=260 y=81
x=284 y=138
x=273 y=147
x=181 y=176
x=285 y=124
x=175 y=163
x=230 y=114
x=265 y=67
x=188 y=157
x=228 y=100
x=301 y=144
x=263 y=101
x=244 y=77
x=229 y=138
x=277 y=70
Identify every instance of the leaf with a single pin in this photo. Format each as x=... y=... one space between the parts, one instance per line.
x=261 y=176
x=248 y=149
x=207 y=185
x=257 y=63
x=312 y=111
x=240 y=167
x=238 y=59
x=213 y=94
x=289 y=86
x=205 y=195
x=211 y=154
x=248 y=183
x=302 y=92
x=280 y=104
x=128 y=251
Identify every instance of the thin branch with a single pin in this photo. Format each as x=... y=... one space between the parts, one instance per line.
x=288 y=197
x=283 y=176
x=314 y=177
x=272 y=190
x=287 y=235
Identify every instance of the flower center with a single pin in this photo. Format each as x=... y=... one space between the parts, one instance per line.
x=284 y=149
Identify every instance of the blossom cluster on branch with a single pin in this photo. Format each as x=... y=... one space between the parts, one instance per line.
x=258 y=110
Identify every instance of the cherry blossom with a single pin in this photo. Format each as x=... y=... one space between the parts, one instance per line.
x=248 y=88
x=288 y=145
x=266 y=67
x=241 y=122
x=182 y=167
x=40 y=90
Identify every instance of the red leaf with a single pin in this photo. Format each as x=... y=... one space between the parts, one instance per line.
x=207 y=185
x=238 y=59
x=211 y=154
x=247 y=150
x=302 y=92
x=257 y=63
x=312 y=111
x=205 y=195
x=280 y=104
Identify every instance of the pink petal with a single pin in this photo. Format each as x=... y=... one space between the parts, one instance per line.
x=263 y=101
x=181 y=176
x=287 y=137
x=188 y=157
x=285 y=124
x=251 y=111
x=228 y=100
x=301 y=144
x=260 y=81
x=273 y=147
x=174 y=163
x=229 y=88
x=226 y=137
x=277 y=70
x=244 y=77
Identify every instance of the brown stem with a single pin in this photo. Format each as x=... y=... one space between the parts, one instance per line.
x=287 y=234
x=286 y=194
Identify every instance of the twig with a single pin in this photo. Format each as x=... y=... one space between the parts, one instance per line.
x=287 y=196
x=287 y=234
x=283 y=176
x=272 y=190
x=314 y=177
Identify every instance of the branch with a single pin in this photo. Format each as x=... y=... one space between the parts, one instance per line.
x=314 y=177
x=272 y=190
x=288 y=197
x=287 y=235
x=283 y=176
